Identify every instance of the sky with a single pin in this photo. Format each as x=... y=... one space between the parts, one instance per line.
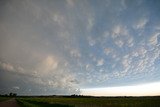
x=68 y=47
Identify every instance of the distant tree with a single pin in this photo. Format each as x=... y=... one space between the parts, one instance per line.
x=10 y=94
x=14 y=94
x=6 y=95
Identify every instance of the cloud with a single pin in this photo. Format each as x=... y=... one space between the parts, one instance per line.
x=59 y=19
x=70 y=2
x=6 y=67
x=140 y=24
x=75 y=53
x=130 y=42
x=91 y=41
x=87 y=66
x=63 y=45
x=51 y=75
x=140 y=51
x=119 y=43
x=134 y=54
x=100 y=62
x=121 y=36
x=90 y=23
x=11 y=68
x=126 y=61
x=16 y=88
x=50 y=62
x=48 y=65
x=154 y=39
x=118 y=31
x=107 y=51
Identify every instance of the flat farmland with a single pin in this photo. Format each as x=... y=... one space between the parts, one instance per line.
x=89 y=102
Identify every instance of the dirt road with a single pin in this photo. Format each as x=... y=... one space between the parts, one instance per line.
x=9 y=103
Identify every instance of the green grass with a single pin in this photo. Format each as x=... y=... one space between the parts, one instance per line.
x=91 y=102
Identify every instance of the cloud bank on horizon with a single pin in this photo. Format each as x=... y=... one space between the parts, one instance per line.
x=62 y=46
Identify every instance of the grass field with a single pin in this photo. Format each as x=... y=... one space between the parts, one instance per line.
x=89 y=102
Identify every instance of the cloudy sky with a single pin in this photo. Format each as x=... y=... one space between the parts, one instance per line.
x=65 y=46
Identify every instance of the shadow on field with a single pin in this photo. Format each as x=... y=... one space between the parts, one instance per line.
x=24 y=103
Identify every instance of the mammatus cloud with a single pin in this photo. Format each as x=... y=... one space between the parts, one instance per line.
x=119 y=31
x=50 y=74
x=7 y=67
x=46 y=74
x=58 y=47
x=121 y=36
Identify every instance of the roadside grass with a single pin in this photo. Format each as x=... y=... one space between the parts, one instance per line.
x=90 y=102
x=4 y=98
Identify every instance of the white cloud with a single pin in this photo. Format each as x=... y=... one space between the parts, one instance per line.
x=16 y=88
x=107 y=51
x=12 y=68
x=135 y=54
x=91 y=41
x=119 y=30
x=100 y=62
x=141 y=65
x=130 y=42
x=154 y=39
x=141 y=51
x=119 y=42
x=87 y=66
x=121 y=36
x=7 y=66
x=140 y=24
x=126 y=63
x=75 y=53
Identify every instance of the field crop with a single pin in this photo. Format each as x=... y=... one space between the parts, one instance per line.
x=90 y=102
